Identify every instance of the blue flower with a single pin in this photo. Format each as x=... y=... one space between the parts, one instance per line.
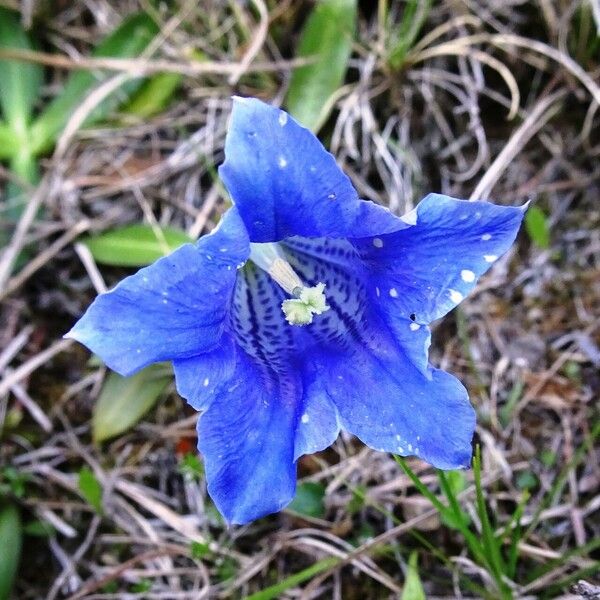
x=304 y=312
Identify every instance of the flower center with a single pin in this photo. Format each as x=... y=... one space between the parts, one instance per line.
x=307 y=301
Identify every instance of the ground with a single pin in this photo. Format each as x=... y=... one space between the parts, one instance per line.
x=475 y=99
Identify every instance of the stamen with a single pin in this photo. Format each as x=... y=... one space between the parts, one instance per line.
x=300 y=311
x=307 y=301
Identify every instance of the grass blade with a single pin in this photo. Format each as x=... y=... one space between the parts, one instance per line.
x=276 y=590
x=491 y=545
x=327 y=37
x=413 y=18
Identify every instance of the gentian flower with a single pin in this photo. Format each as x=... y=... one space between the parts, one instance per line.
x=305 y=311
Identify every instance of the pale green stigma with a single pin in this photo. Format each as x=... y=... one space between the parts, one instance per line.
x=300 y=311
x=307 y=301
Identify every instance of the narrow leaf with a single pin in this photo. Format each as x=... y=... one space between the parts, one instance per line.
x=128 y=40
x=124 y=401
x=9 y=141
x=134 y=245
x=537 y=227
x=11 y=534
x=90 y=488
x=276 y=590
x=327 y=38
x=413 y=588
x=19 y=81
x=154 y=95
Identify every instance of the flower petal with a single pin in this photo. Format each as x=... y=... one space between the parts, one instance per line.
x=392 y=406
x=319 y=425
x=285 y=183
x=427 y=269
x=247 y=439
x=175 y=308
x=199 y=378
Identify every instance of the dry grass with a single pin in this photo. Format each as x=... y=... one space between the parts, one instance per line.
x=496 y=100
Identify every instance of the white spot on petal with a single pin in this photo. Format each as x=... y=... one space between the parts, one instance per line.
x=206 y=382
x=490 y=258
x=377 y=292
x=486 y=236
x=283 y=118
x=331 y=196
x=282 y=162
x=414 y=327
x=393 y=292
x=455 y=296
x=467 y=275
x=400 y=450
x=378 y=242
x=305 y=418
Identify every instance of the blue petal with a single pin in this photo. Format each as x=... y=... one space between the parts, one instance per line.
x=285 y=183
x=247 y=439
x=372 y=363
x=392 y=406
x=319 y=424
x=260 y=330
x=427 y=269
x=175 y=308
x=200 y=378
x=256 y=381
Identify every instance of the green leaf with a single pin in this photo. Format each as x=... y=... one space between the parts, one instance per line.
x=134 y=245
x=154 y=95
x=37 y=528
x=199 y=550
x=526 y=480
x=327 y=37
x=536 y=225
x=90 y=488
x=413 y=588
x=128 y=40
x=25 y=166
x=19 y=81
x=124 y=401
x=142 y=586
x=11 y=535
x=308 y=500
x=9 y=141
x=13 y=481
